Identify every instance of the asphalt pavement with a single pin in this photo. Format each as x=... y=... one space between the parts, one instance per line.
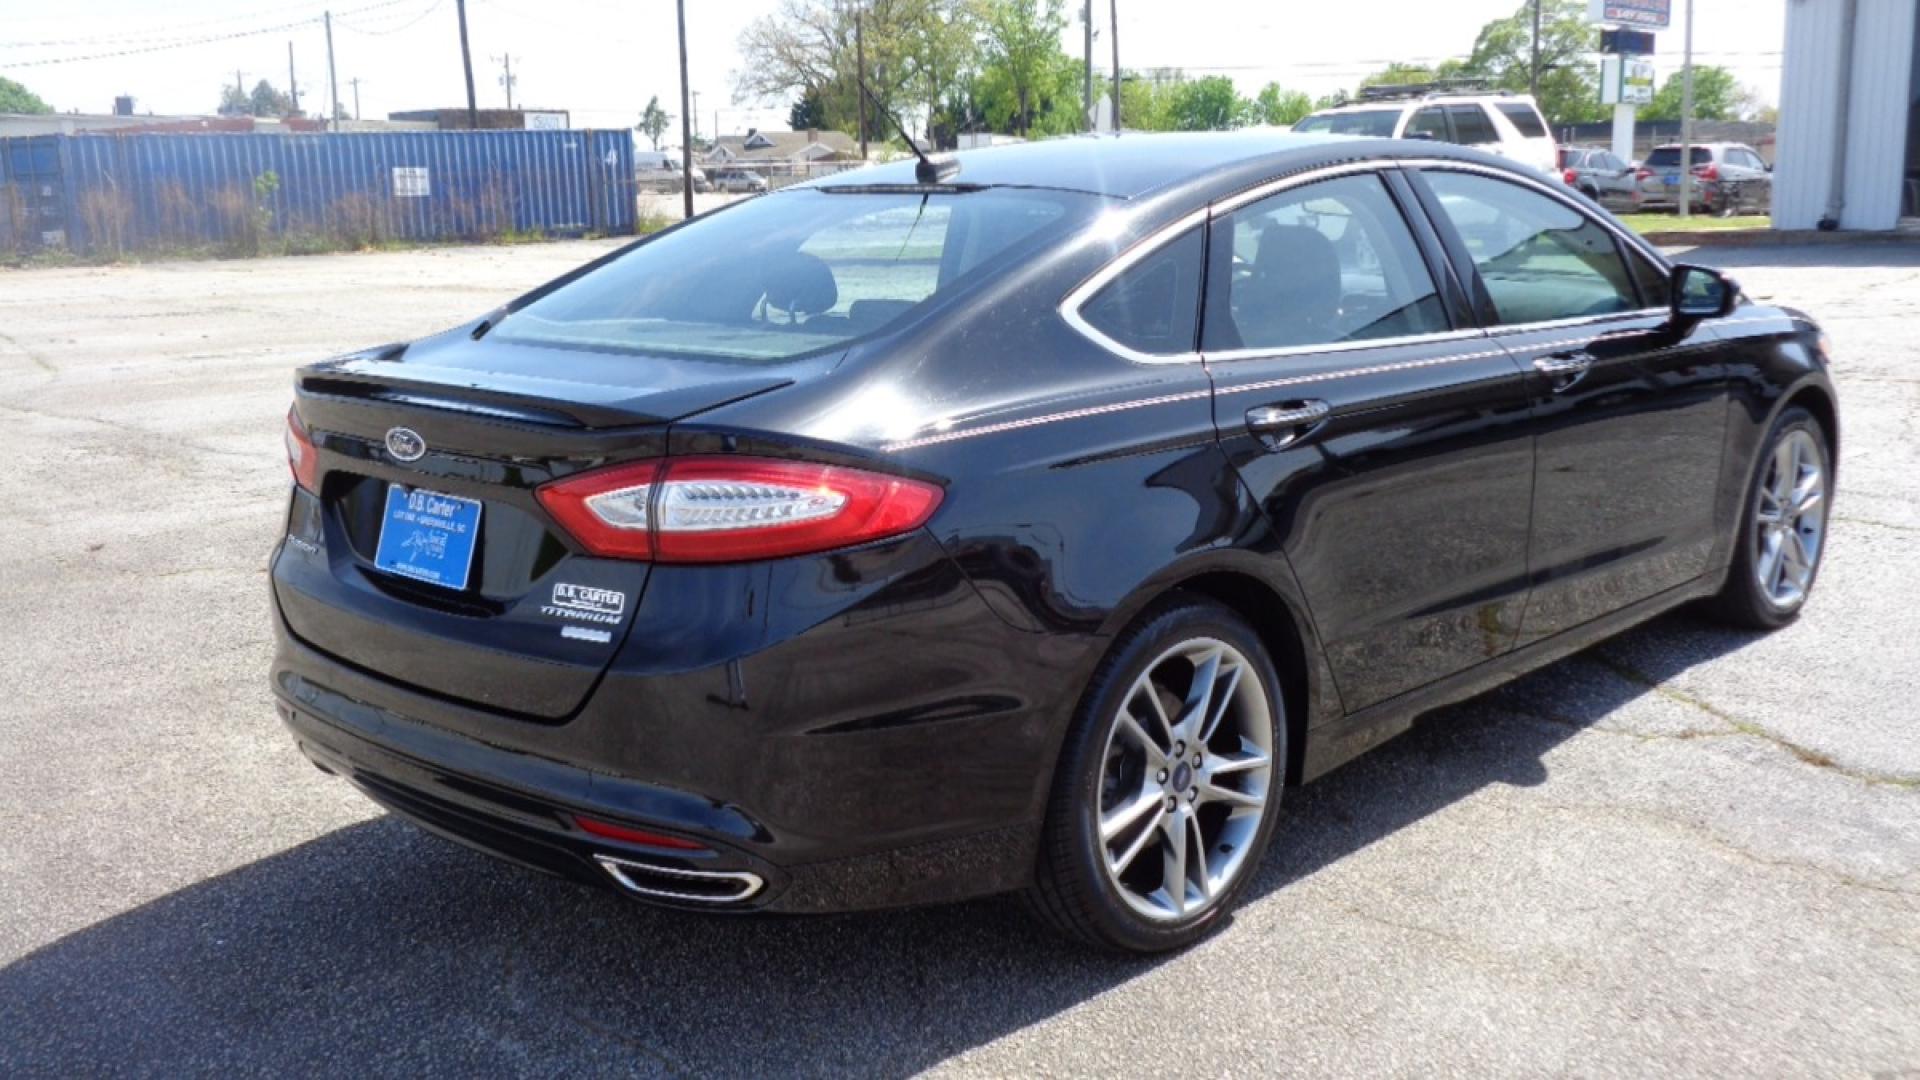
x=1687 y=851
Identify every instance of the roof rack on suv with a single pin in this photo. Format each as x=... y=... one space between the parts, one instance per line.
x=1438 y=89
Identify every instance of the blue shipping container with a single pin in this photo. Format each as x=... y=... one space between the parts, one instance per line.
x=106 y=193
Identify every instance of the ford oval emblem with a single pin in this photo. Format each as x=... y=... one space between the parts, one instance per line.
x=405 y=444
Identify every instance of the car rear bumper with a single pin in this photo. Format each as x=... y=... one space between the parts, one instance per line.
x=871 y=759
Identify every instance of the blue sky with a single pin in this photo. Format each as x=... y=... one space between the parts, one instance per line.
x=602 y=59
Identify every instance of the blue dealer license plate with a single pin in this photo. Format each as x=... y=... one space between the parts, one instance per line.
x=428 y=536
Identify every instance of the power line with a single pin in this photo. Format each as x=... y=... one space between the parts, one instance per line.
x=408 y=25
x=133 y=35
x=190 y=42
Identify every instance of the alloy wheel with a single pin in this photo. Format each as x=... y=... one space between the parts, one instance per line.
x=1187 y=771
x=1790 y=520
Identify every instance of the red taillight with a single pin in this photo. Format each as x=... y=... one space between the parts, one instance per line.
x=734 y=509
x=1709 y=173
x=609 y=831
x=1643 y=174
x=1572 y=178
x=301 y=457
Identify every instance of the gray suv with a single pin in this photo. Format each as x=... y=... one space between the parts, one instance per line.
x=1728 y=179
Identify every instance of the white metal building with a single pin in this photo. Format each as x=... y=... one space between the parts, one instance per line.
x=1849 y=142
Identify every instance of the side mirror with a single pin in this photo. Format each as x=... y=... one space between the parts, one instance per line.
x=1702 y=293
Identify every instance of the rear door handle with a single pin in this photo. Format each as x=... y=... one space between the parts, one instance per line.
x=1564 y=369
x=1285 y=424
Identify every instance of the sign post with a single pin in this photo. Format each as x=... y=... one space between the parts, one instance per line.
x=1626 y=80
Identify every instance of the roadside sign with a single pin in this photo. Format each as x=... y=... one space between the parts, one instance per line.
x=1651 y=14
x=1626 y=42
x=1625 y=81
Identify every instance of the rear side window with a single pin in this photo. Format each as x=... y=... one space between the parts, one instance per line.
x=1325 y=263
x=1668 y=157
x=1429 y=123
x=1541 y=259
x=1472 y=126
x=1378 y=123
x=1154 y=305
x=1526 y=119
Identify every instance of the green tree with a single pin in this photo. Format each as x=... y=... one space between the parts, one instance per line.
x=1146 y=99
x=1569 y=76
x=808 y=111
x=15 y=98
x=235 y=102
x=1021 y=48
x=1717 y=95
x=1281 y=108
x=1209 y=104
x=266 y=101
x=654 y=121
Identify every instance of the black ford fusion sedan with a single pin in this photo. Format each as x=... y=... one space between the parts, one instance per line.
x=916 y=534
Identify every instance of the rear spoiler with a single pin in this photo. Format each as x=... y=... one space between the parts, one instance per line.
x=523 y=399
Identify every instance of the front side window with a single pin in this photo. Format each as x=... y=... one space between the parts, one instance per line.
x=1541 y=259
x=794 y=273
x=1668 y=157
x=1320 y=264
x=1154 y=305
x=1472 y=126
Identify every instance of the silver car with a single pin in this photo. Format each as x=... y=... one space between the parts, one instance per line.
x=1600 y=176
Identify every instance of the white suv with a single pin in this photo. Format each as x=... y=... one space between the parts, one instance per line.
x=1506 y=124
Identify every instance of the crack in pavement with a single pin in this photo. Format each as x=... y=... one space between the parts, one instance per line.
x=153 y=437
x=1713 y=839
x=39 y=361
x=1849 y=520
x=1806 y=754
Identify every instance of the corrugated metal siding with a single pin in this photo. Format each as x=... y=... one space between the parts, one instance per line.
x=1882 y=71
x=151 y=190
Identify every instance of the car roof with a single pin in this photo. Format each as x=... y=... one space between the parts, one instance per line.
x=1133 y=164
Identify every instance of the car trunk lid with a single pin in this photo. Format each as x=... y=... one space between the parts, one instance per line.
x=425 y=556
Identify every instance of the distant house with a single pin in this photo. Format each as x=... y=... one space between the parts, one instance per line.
x=788 y=147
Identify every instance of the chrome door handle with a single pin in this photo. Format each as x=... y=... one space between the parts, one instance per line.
x=1268 y=419
x=1564 y=369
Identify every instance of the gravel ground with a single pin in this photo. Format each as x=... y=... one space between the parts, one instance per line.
x=1686 y=851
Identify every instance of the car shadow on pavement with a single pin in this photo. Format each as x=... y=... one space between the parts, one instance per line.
x=380 y=949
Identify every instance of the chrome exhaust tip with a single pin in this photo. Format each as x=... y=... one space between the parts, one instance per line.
x=685 y=886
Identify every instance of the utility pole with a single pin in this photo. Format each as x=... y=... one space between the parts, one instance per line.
x=1533 y=78
x=466 y=62
x=1686 y=122
x=1113 y=31
x=1086 y=18
x=860 y=80
x=333 y=84
x=686 y=115
x=355 y=83
x=506 y=78
x=696 y=115
x=240 y=87
x=293 y=85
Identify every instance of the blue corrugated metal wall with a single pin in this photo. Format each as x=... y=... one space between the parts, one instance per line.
x=123 y=192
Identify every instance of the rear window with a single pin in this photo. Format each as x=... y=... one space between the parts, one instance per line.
x=1526 y=119
x=1668 y=157
x=794 y=273
x=1378 y=123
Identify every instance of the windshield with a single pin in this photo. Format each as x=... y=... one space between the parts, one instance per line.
x=793 y=273
x=1378 y=123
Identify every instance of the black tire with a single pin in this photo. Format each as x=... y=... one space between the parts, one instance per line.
x=1742 y=602
x=1072 y=891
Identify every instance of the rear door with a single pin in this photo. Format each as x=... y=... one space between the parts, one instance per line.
x=1388 y=444
x=1630 y=411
